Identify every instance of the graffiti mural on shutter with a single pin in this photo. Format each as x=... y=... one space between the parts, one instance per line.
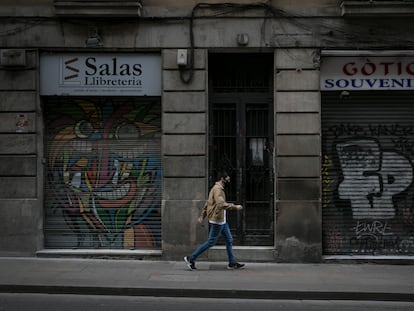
x=367 y=173
x=103 y=174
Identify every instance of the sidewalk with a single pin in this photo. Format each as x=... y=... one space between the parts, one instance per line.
x=211 y=279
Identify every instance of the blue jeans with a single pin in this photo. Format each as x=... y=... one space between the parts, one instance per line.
x=214 y=234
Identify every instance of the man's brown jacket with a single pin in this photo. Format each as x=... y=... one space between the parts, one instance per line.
x=216 y=204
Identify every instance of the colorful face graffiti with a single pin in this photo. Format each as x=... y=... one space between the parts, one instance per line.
x=104 y=174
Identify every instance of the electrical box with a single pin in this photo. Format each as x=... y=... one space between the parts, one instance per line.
x=182 y=57
x=12 y=58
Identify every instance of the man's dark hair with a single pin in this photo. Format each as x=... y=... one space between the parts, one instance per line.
x=222 y=174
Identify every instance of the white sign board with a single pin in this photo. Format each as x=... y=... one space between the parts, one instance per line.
x=100 y=74
x=367 y=73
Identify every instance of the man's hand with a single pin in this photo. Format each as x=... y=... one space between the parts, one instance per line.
x=200 y=220
x=239 y=207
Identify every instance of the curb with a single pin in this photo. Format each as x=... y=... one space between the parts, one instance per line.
x=207 y=293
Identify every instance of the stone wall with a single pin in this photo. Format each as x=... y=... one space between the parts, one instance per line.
x=20 y=156
x=298 y=132
x=184 y=154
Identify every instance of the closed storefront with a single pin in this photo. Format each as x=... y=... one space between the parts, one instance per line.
x=117 y=116
x=103 y=152
x=367 y=155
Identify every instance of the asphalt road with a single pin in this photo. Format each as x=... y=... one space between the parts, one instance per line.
x=47 y=302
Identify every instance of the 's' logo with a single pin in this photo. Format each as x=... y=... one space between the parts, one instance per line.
x=70 y=68
x=69 y=71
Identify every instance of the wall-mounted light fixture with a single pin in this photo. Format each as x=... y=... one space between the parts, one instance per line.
x=94 y=39
x=181 y=57
x=242 y=39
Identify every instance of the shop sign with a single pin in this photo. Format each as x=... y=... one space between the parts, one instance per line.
x=367 y=73
x=100 y=74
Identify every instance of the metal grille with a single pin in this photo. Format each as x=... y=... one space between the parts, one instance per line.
x=103 y=185
x=367 y=173
x=259 y=214
x=223 y=151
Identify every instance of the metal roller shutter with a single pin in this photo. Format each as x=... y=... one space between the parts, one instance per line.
x=103 y=173
x=367 y=173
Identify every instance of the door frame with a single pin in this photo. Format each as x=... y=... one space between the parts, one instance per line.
x=241 y=101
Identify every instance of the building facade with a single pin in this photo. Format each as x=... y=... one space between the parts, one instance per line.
x=116 y=117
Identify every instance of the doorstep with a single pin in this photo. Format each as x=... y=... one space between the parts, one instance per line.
x=244 y=253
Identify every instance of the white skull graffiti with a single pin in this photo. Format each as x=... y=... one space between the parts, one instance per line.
x=371 y=178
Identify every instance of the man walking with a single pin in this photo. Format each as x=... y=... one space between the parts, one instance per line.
x=215 y=209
